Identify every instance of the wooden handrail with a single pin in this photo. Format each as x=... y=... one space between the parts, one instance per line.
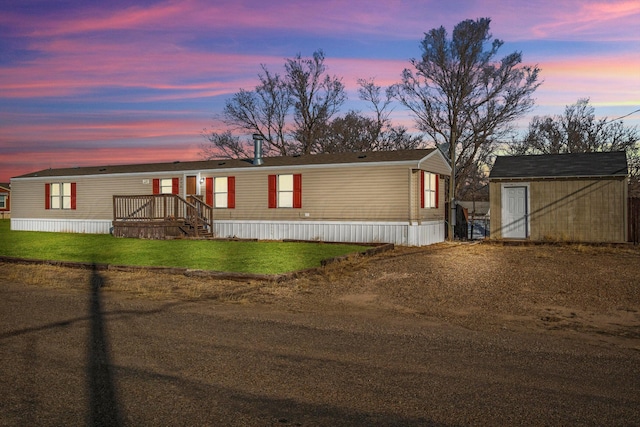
x=163 y=207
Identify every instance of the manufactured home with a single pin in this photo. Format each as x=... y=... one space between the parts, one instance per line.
x=365 y=197
x=5 y=200
x=579 y=197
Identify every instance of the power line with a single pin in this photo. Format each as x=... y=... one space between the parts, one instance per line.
x=626 y=115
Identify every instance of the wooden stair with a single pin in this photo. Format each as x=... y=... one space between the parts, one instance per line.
x=203 y=232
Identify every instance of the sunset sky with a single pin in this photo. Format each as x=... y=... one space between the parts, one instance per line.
x=111 y=82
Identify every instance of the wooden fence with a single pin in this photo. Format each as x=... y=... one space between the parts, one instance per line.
x=634 y=220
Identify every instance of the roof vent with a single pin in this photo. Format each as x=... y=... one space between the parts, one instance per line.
x=362 y=156
x=257 y=149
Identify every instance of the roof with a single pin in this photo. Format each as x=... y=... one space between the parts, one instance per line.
x=221 y=164
x=5 y=185
x=599 y=164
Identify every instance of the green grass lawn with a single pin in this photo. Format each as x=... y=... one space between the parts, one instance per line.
x=228 y=256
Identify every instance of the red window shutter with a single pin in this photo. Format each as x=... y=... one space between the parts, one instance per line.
x=209 y=192
x=273 y=191
x=73 y=195
x=175 y=185
x=297 y=191
x=231 y=192
x=47 y=196
x=156 y=186
x=422 y=189
x=437 y=190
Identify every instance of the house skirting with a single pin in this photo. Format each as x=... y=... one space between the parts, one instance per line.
x=398 y=233
x=93 y=226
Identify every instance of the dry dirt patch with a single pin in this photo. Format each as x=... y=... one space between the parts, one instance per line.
x=586 y=289
x=573 y=287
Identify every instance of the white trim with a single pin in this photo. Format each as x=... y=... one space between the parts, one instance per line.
x=442 y=157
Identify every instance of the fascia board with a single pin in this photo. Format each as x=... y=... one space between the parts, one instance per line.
x=249 y=169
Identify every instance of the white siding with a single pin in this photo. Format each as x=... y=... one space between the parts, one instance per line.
x=398 y=233
x=403 y=234
x=93 y=226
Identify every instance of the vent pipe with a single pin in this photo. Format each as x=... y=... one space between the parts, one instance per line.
x=257 y=149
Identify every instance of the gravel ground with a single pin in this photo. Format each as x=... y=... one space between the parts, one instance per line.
x=452 y=334
x=592 y=290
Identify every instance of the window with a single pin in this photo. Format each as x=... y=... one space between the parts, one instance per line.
x=221 y=192
x=3 y=201
x=60 y=195
x=429 y=193
x=285 y=191
x=166 y=186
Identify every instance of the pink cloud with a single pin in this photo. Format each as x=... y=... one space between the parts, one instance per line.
x=98 y=127
x=16 y=164
x=599 y=21
x=150 y=54
x=606 y=79
x=76 y=67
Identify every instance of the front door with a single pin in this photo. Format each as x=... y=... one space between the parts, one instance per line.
x=514 y=213
x=191 y=185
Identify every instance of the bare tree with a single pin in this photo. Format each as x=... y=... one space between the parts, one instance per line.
x=385 y=135
x=356 y=131
x=316 y=97
x=263 y=111
x=576 y=131
x=288 y=111
x=633 y=159
x=223 y=145
x=351 y=132
x=370 y=92
x=463 y=97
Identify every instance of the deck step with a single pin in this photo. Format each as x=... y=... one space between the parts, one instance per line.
x=190 y=231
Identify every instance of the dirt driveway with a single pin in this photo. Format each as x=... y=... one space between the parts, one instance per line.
x=585 y=289
x=454 y=334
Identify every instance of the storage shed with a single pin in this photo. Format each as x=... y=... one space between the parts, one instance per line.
x=561 y=197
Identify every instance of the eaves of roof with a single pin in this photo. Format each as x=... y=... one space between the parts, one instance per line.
x=307 y=161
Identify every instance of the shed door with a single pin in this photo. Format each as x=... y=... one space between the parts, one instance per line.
x=514 y=213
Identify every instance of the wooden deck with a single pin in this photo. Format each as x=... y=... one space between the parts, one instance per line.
x=161 y=216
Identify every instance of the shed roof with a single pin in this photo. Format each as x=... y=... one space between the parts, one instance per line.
x=570 y=165
x=222 y=164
